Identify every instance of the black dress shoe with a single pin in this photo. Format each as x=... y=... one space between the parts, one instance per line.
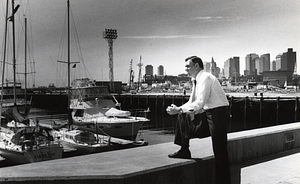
x=181 y=154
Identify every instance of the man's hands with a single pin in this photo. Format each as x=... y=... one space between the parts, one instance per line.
x=173 y=109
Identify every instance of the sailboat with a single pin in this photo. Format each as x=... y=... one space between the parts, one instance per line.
x=93 y=108
x=12 y=96
x=27 y=144
x=82 y=141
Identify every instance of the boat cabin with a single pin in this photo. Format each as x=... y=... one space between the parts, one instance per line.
x=92 y=92
x=8 y=88
x=80 y=136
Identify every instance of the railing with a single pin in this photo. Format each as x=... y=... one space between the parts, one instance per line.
x=139 y=112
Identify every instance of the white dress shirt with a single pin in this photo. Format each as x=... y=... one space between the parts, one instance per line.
x=208 y=94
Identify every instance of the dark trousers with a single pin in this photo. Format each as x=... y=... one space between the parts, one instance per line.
x=212 y=123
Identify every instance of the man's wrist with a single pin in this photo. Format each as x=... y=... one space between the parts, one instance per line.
x=180 y=110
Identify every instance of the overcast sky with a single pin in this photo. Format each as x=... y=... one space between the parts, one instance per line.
x=163 y=32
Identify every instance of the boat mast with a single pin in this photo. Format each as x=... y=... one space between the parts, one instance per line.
x=69 y=63
x=69 y=113
x=14 y=50
x=25 y=64
x=4 y=58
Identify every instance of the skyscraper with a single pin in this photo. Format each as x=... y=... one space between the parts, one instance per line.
x=214 y=69
x=232 y=67
x=266 y=62
x=207 y=66
x=262 y=63
x=149 y=70
x=160 y=70
x=250 y=64
x=286 y=61
x=273 y=65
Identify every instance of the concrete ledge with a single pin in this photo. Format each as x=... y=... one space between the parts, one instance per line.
x=257 y=143
x=150 y=164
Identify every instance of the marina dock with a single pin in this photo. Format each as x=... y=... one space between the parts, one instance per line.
x=266 y=155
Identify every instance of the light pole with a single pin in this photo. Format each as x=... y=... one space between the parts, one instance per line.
x=110 y=35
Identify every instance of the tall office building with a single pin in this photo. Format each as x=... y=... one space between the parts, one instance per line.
x=250 y=64
x=211 y=67
x=273 y=65
x=214 y=69
x=232 y=67
x=266 y=61
x=160 y=70
x=278 y=62
x=286 y=61
x=206 y=66
x=149 y=70
x=262 y=63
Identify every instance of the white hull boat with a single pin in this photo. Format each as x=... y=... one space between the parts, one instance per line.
x=125 y=128
x=94 y=106
x=26 y=146
x=83 y=142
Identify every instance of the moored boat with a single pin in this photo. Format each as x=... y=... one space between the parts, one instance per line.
x=26 y=146
x=93 y=105
x=82 y=141
x=22 y=143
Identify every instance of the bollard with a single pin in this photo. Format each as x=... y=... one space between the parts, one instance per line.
x=296 y=108
x=245 y=112
x=260 y=110
x=277 y=111
x=230 y=111
x=147 y=101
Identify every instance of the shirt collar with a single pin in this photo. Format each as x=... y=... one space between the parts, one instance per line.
x=198 y=75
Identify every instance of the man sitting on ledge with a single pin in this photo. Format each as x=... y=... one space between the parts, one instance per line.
x=206 y=113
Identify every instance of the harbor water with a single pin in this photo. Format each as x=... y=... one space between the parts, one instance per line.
x=152 y=136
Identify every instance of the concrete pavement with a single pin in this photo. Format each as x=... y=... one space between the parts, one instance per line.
x=282 y=168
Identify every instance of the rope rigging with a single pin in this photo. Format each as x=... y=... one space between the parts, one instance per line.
x=62 y=54
x=23 y=10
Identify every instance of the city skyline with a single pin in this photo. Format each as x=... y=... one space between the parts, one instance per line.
x=261 y=63
x=162 y=32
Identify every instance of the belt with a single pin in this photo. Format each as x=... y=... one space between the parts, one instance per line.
x=216 y=108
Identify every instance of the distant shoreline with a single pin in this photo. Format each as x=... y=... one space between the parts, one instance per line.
x=234 y=94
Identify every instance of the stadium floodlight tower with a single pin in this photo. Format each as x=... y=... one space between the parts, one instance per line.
x=110 y=35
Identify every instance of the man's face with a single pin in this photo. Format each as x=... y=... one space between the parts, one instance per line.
x=190 y=68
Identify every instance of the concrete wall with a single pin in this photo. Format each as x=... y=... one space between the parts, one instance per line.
x=252 y=144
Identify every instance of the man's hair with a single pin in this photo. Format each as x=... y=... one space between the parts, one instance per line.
x=195 y=60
